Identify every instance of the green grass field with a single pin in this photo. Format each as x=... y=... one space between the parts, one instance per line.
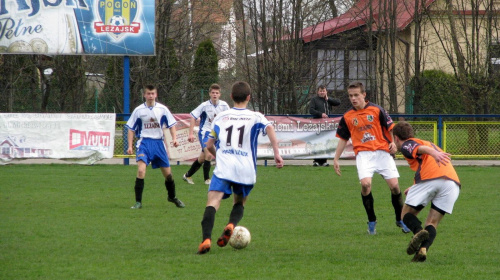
x=75 y=222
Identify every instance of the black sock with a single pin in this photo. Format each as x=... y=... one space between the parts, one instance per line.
x=139 y=187
x=207 y=224
x=397 y=203
x=412 y=222
x=432 y=234
x=368 y=203
x=206 y=169
x=236 y=214
x=170 y=185
x=194 y=167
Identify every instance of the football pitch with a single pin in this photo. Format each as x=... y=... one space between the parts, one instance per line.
x=74 y=222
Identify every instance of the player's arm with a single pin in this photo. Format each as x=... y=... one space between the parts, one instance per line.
x=338 y=152
x=173 y=133
x=130 y=139
x=392 y=146
x=211 y=146
x=192 y=123
x=274 y=142
x=439 y=156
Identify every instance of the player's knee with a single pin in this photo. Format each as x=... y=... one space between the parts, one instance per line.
x=169 y=178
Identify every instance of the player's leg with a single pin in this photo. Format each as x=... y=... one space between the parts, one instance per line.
x=433 y=219
x=397 y=203
x=410 y=219
x=207 y=165
x=170 y=186
x=207 y=223
x=194 y=167
x=366 y=167
x=139 y=184
x=241 y=193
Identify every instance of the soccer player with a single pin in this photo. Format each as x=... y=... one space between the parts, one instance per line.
x=435 y=181
x=206 y=111
x=148 y=122
x=369 y=127
x=234 y=134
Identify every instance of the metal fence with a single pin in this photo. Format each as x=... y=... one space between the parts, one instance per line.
x=463 y=136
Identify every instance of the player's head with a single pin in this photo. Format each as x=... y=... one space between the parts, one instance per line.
x=214 y=92
x=402 y=131
x=322 y=92
x=357 y=95
x=240 y=92
x=150 y=93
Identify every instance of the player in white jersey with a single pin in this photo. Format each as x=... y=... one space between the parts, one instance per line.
x=148 y=122
x=206 y=112
x=234 y=134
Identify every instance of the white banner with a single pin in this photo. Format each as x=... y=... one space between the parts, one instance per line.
x=80 y=138
x=298 y=138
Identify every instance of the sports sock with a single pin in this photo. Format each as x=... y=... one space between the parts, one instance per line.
x=207 y=224
x=412 y=222
x=194 y=167
x=170 y=185
x=236 y=214
x=368 y=203
x=397 y=203
x=432 y=234
x=206 y=169
x=139 y=187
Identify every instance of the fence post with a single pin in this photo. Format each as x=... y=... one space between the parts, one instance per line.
x=126 y=101
x=440 y=131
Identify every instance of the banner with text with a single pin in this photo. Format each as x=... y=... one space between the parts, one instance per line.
x=298 y=138
x=80 y=138
x=99 y=27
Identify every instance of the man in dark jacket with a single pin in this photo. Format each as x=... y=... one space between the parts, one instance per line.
x=321 y=105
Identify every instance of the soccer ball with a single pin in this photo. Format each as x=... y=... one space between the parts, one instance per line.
x=240 y=238
x=117 y=21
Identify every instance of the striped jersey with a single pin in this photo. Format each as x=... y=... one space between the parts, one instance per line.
x=148 y=122
x=207 y=111
x=424 y=165
x=368 y=128
x=236 y=132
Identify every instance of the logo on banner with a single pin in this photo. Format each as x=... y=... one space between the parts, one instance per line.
x=117 y=18
x=89 y=140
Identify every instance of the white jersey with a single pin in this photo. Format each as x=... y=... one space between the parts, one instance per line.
x=236 y=132
x=207 y=111
x=148 y=122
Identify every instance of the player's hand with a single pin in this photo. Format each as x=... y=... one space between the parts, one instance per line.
x=191 y=138
x=336 y=166
x=324 y=115
x=130 y=150
x=279 y=161
x=442 y=158
x=175 y=143
x=393 y=148
x=407 y=190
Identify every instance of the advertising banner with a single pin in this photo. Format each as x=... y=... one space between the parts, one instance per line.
x=298 y=138
x=69 y=27
x=80 y=138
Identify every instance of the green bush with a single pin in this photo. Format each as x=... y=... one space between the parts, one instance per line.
x=439 y=94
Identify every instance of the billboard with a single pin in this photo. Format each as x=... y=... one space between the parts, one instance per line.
x=72 y=27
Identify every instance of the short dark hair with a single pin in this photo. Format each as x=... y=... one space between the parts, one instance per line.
x=321 y=87
x=150 y=87
x=214 y=86
x=403 y=130
x=239 y=91
x=357 y=84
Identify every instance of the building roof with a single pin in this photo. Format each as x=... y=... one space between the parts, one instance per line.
x=359 y=15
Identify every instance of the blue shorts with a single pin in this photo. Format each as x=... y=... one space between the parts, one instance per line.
x=203 y=139
x=152 y=151
x=228 y=187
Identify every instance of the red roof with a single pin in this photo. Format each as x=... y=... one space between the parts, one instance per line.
x=359 y=15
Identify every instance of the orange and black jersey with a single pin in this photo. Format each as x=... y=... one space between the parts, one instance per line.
x=368 y=128
x=424 y=165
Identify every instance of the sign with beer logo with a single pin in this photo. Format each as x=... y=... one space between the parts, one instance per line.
x=95 y=27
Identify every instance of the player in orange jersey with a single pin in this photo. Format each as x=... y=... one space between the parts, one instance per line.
x=369 y=127
x=436 y=181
